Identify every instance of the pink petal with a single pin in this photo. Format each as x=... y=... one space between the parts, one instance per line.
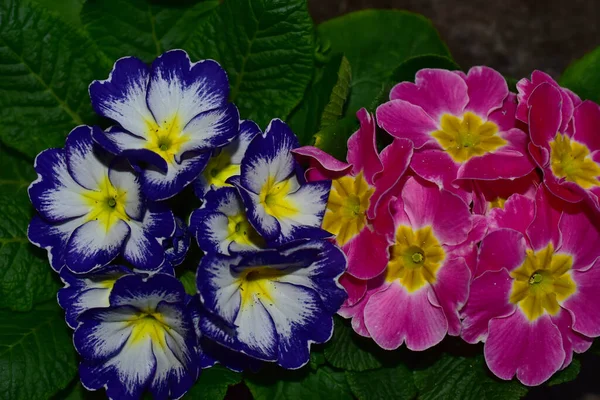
x=469 y=248
x=544 y=114
x=517 y=214
x=404 y=120
x=356 y=312
x=504 y=117
x=438 y=167
x=580 y=236
x=367 y=254
x=436 y=91
x=572 y=341
x=394 y=316
x=356 y=288
x=487 y=191
x=583 y=304
x=501 y=249
x=452 y=290
x=531 y=350
x=325 y=164
x=487 y=90
x=362 y=148
x=395 y=158
x=586 y=120
x=547 y=214
x=488 y=298
x=568 y=191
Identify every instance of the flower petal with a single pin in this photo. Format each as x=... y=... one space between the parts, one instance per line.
x=452 y=290
x=578 y=230
x=544 y=114
x=367 y=254
x=404 y=120
x=328 y=166
x=583 y=303
x=586 y=120
x=487 y=90
x=501 y=249
x=362 y=148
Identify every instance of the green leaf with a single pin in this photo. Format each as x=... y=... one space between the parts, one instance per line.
x=566 y=375
x=67 y=9
x=385 y=383
x=306 y=119
x=333 y=139
x=37 y=357
x=44 y=76
x=462 y=378
x=335 y=108
x=582 y=76
x=347 y=350
x=375 y=43
x=323 y=384
x=188 y=278
x=267 y=48
x=140 y=28
x=76 y=391
x=213 y=383
x=25 y=274
x=316 y=359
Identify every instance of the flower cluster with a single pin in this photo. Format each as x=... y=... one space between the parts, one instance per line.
x=480 y=219
x=267 y=285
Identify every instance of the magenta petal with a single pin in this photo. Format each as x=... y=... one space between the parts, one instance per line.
x=356 y=288
x=531 y=350
x=367 y=254
x=469 y=248
x=356 y=312
x=547 y=215
x=325 y=163
x=517 y=214
x=362 y=148
x=394 y=316
x=438 y=167
x=488 y=298
x=395 y=159
x=404 y=120
x=544 y=114
x=572 y=341
x=583 y=304
x=504 y=117
x=452 y=290
x=586 y=120
x=436 y=91
x=487 y=90
x=580 y=236
x=503 y=248
x=568 y=191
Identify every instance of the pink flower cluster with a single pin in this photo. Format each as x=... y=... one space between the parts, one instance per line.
x=481 y=219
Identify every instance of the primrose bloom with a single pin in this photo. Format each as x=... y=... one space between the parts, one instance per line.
x=91 y=209
x=171 y=117
x=143 y=341
x=417 y=298
x=275 y=302
x=225 y=162
x=281 y=207
x=221 y=224
x=564 y=139
x=534 y=298
x=85 y=291
x=462 y=126
x=356 y=193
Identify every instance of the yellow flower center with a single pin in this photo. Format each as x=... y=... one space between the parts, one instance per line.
x=571 y=160
x=219 y=169
x=107 y=204
x=240 y=231
x=467 y=137
x=256 y=284
x=274 y=198
x=347 y=206
x=149 y=325
x=166 y=138
x=542 y=282
x=498 y=202
x=415 y=258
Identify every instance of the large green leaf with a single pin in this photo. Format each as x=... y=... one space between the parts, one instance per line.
x=37 y=357
x=583 y=77
x=323 y=383
x=44 y=75
x=267 y=48
x=384 y=383
x=376 y=42
x=347 y=350
x=25 y=275
x=213 y=383
x=67 y=9
x=140 y=28
x=464 y=378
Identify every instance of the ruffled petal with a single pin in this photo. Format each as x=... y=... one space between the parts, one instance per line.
x=404 y=120
x=583 y=304
x=501 y=249
x=452 y=290
x=367 y=254
x=362 y=148
x=487 y=90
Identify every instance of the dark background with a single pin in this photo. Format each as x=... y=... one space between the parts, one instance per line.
x=513 y=36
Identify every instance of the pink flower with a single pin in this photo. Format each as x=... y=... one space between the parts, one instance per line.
x=534 y=298
x=426 y=281
x=564 y=138
x=462 y=127
x=491 y=195
x=359 y=186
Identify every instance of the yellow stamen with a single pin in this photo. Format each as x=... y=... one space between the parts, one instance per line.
x=571 y=160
